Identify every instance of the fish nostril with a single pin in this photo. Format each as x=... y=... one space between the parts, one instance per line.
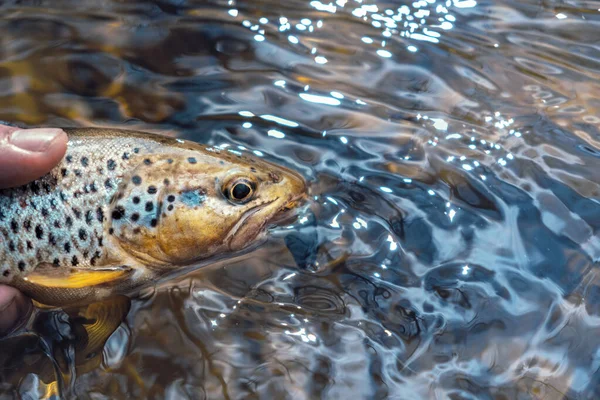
x=275 y=177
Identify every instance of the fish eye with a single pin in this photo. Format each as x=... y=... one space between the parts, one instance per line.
x=240 y=191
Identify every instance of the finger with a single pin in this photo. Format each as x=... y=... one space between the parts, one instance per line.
x=14 y=308
x=28 y=154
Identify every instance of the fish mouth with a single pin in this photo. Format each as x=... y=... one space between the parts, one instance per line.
x=287 y=213
x=250 y=226
x=234 y=236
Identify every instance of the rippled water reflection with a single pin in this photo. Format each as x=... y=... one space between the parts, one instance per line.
x=451 y=249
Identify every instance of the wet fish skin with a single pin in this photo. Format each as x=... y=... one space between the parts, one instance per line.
x=125 y=208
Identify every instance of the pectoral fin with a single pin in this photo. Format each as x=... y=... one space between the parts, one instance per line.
x=76 y=279
x=63 y=286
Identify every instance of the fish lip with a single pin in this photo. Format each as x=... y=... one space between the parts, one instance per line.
x=249 y=213
x=287 y=211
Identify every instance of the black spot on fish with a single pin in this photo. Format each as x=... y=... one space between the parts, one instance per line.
x=166 y=182
x=56 y=263
x=47 y=187
x=69 y=159
x=152 y=189
x=67 y=247
x=51 y=239
x=83 y=235
x=118 y=212
x=147 y=161
x=108 y=184
x=192 y=160
x=94 y=258
x=137 y=231
x=222 y=162
x=11 y=246
x=21 y=266
x=125 y=156
x=171 y=198
x=44 y=211
x=53 y=203
x=64 y=172
x=149 y=206
x=77 y=212
x=6 y=273
x=14 y=226
x=35 y=187
x=63 y=197
x=84 y=161
x=111 y=231
x=2 y=215
x=170 y=208
x=111 y=165
x=153 y=223
x=69 y=221
x=136 y=180
x=77 y=173
x=93 y=187
x=74 y=261
x=170 y=161
x=29 y=245
x=100 y=214
x=86 y=255
x=100 y=241
x=135 y=217
x=57 y=224
x=136 y=200
x=136 y=150
x=89 y=217
x=39 y=232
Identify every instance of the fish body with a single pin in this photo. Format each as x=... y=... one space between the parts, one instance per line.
x=125 y=208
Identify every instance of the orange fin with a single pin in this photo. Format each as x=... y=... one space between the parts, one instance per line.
x=76 y=278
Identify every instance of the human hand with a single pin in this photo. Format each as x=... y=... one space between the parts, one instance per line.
x=25 y=155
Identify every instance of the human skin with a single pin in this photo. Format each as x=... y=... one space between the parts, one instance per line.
x=25 y=155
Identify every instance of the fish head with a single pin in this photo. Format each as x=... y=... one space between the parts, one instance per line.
x=181 y=209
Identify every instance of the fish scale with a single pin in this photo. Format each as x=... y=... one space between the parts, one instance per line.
x=124 y=208
x=59 y=219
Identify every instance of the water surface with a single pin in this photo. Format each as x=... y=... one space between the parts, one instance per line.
x=451 y=247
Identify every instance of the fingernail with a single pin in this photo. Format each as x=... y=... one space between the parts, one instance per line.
x=34 y=140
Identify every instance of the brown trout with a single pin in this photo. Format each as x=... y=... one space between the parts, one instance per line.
x=125 y=208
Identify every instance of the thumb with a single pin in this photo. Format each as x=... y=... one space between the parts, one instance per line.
x=28 y=154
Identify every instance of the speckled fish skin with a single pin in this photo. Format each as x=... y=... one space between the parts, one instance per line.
x=137 y=204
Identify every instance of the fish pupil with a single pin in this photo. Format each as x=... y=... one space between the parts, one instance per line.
x=240 y=191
